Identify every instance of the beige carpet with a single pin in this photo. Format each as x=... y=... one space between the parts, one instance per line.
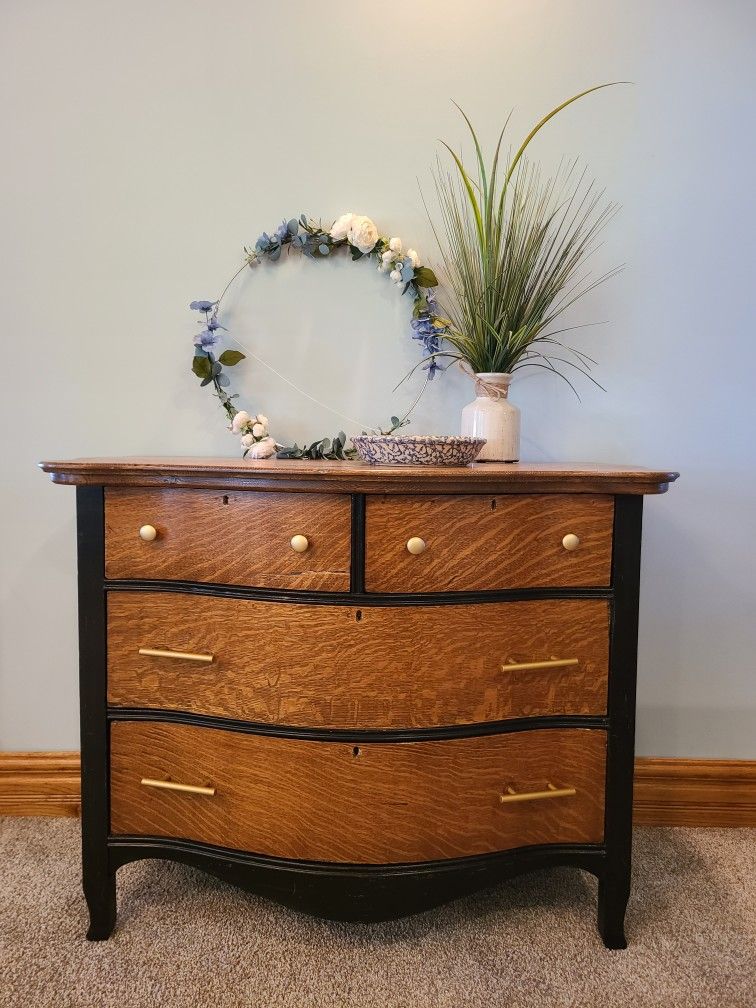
x=185 y=940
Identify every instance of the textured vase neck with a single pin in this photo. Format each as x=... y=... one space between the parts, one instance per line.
x=492 y=384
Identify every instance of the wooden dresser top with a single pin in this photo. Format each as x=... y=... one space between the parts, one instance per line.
x=346 y=477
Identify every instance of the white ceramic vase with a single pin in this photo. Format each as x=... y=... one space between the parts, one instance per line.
x=491 y=416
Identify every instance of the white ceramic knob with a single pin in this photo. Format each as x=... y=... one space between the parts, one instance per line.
x=570 y=541
x=148 y=533
x=416 y=545
x=299 y=543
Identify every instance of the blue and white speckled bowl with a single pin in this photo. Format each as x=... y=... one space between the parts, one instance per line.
x=385 y=449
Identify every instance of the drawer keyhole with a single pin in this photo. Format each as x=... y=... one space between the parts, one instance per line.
x=356 y=751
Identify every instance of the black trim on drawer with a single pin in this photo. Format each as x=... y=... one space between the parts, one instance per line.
x=440 y=733
x=357 y=566
x=356 y=598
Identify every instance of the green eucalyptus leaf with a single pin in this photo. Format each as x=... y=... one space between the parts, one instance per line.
x=231 y=357
x=202 y=367
x=425 y=277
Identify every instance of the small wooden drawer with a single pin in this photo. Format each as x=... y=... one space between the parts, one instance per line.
x=376 y=803
x=237 y=537
x=344 y=667
x=481 y=543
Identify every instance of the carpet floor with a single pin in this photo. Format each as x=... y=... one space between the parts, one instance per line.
x=185 y=940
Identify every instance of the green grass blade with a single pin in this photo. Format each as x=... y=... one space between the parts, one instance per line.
x=478 y=153
x=470 y=193
x=539 y=125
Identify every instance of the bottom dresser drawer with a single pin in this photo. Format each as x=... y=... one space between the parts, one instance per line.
x=371 y=803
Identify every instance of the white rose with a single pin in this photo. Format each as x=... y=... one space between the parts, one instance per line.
x=247 y=440
x=396 y=276
x=262 y=419
x=413 y=257
x=240 y=421
x=363 y=234
x=341 y=227
x=262 y=449
x=387 y=256
x=258 y=430
x=395 y=244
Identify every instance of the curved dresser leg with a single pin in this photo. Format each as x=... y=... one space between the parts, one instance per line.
x=612 y=903
x=101 y=903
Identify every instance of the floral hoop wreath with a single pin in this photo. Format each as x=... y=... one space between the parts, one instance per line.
x=359 y=235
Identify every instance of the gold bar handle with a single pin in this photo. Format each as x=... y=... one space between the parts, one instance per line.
x=552 y=792
x=171 y=786
x=185 y=655
x=528 y=665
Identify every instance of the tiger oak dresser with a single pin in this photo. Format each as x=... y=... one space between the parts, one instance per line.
x=359 y=691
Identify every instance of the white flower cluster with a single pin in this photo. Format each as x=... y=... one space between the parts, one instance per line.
x=359 y=231
x=255 y=440
x=395 y=259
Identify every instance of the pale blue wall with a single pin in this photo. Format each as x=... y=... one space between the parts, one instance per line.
x=144 y=143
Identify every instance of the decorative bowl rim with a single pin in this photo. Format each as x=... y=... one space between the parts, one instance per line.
x=457 y=439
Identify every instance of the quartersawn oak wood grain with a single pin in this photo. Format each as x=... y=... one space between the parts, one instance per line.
x=480 y=542
x=346 y=667
x=235 y=538
x=375 y=803
x=347 y=477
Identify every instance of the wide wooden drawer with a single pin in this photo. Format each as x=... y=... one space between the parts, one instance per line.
x=236 y=537
x=348 y=667
x=479 y=542
x=369 y=803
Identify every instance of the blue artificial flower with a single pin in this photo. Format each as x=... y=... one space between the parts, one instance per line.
x=430 y=299
x=426 y=333
x=204 y=306
x=205 y=339
x=282 y=231
x=263 y=243
x=422 y=326
x=213 y=324
x=431 y=367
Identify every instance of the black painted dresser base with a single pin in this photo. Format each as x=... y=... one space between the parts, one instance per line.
x=365 y=893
